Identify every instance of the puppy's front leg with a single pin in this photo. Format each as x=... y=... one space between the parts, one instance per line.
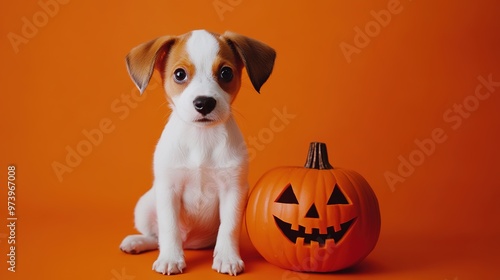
x=171 y=257
x=226 y=253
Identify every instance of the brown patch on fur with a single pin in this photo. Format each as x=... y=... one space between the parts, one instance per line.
x=167 y=53
x=142 y=59
x=227 y=57
x=177 y=58
x=257 y=57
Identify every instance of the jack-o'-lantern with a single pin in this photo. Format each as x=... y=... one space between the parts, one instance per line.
x=313 y=218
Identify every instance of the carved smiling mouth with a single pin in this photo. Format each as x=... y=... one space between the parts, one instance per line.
x=321 y=238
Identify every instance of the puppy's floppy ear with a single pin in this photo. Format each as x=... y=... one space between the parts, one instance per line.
x=257 y=57
x=143 y=59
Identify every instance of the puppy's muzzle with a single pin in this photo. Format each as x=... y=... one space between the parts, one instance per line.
x=204 y=104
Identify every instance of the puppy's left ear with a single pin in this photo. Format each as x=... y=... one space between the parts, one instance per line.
x=143 y=59
x=257 y=57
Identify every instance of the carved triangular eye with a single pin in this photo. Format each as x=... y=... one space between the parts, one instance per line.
x=287 y=196
x=337 y=197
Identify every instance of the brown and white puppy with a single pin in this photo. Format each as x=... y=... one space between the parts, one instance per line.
x=200 y=163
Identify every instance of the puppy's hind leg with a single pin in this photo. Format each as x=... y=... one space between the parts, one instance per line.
x=146 y=224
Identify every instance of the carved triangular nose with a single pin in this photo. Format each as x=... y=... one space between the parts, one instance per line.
x=312 y=212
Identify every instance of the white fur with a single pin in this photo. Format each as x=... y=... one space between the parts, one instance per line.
x=202 y=49
x=200 y=177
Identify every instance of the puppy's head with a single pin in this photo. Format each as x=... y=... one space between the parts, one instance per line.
x=201 y=71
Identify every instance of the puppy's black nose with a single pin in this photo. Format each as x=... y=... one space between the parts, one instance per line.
x=204 y=104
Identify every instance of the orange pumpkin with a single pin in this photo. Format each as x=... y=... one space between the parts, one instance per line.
x=313 y=218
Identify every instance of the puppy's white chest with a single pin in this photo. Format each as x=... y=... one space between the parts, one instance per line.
x=203 y=157
x=193 y=148
x=199 y=192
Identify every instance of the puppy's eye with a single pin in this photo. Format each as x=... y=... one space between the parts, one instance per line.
x=226 y=74
x=180 y=75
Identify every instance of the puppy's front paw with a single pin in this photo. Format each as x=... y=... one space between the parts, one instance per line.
x=166 y=265
x=137 y=243
x=231 y=265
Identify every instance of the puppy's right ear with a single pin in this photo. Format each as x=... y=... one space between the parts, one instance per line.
x=143 y=59
x=257 y=57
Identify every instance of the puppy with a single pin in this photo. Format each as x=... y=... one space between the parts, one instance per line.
x=200 y=163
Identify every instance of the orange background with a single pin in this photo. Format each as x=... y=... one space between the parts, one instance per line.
x=441 y=222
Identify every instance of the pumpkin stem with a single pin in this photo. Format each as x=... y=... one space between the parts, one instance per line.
x=317 y=158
